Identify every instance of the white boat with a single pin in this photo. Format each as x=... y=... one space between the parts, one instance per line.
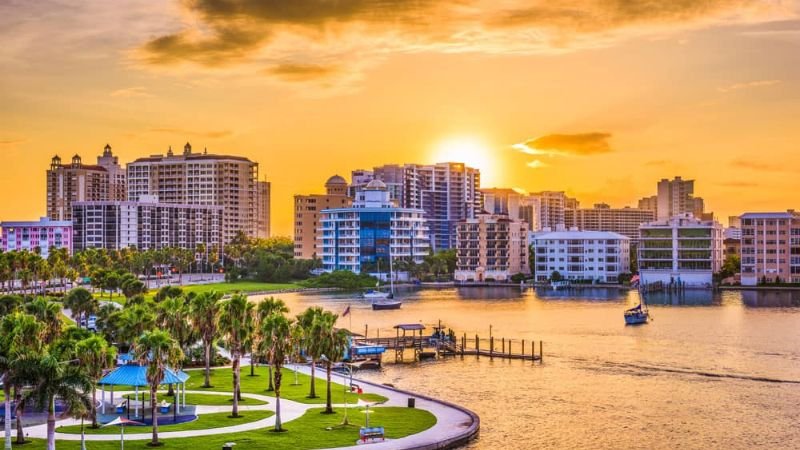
x=637 y=315
x=387 y=302
x=376 y=295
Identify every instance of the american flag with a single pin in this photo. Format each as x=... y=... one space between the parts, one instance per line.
x=346 y=311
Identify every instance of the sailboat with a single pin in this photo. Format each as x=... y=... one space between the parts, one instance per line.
x=374 y=294
x=639 y=314
x=389 y=301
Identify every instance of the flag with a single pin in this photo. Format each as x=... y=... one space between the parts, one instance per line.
x=346 y=311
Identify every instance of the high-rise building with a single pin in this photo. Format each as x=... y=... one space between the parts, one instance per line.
x=770 y=247
x=264 y=195
x=491 y=247
x=553 y=209
x=358 y=179
x=393 y=176
x=146 y=224
x=674 y=197
x=448 y=193
x=307 y=212
x=72 y=183
x=602 y=217
x=117 y=190
x=502 y=202
x=362 y=237
x=203 y=179
x=599 y=256
x=36 y=236
x=681 y=249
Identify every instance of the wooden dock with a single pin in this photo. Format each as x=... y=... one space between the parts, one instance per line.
x=442 y=346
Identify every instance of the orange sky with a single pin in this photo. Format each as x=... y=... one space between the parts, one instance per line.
x=609 y=96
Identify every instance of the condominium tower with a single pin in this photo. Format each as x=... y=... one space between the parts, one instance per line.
x=205 y=179
x=491 y=247
x=770 y=247
x=307 y=212
x=591 y=256
x=602 y=217
x=362 y=237
x=674 y=197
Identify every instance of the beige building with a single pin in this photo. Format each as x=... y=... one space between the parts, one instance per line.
x=547 y=209
x=263 y=228
x=203 y=179
x=673 y=198
x=307 y=214
x=77 y=182
x=624 y=221
x=491 y=247
x=770 y=247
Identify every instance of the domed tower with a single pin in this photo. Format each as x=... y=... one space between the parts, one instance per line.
x=76 y=161
x=187 y=149
x=107 y=151
x=336 y=185
x=55 y=163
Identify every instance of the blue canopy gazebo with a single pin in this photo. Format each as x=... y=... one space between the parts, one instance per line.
x=136 y=376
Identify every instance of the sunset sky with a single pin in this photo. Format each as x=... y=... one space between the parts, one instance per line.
x=598 y=98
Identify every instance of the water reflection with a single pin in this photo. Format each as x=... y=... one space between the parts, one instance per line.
x=582 y=294
x=771 y=299
x=691 y=297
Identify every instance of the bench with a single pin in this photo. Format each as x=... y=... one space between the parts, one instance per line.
x=371 y=433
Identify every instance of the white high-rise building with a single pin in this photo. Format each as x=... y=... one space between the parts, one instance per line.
x=681 y=249
x=362 y=237
x=596 y=256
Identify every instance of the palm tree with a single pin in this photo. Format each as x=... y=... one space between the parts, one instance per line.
x=95 y=356
x=135 y=320
x=158 y=350
x=49 y=313
x=332 y=342
x=9 y=304
x=81 y=303
x=204 y=310
x=307 y=322
x=265 y=309
x=276 y=329
x=20 y=336
x=236 y=327
x=53 y=378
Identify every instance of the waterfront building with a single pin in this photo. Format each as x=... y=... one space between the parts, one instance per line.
x=682 y=249
x=602 y=217
x=552 y=207
x=117 y=189
x=36 y=236
x=491 y=247
x=673 y=198
x=204 y=179
x=361 y=237
x=530 y=212
x=596 y=256
x=307 y=212
x=770 y=247
x=731 y=247
x=146 y=224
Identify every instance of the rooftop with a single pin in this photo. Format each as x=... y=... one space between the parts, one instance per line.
x=581 y=235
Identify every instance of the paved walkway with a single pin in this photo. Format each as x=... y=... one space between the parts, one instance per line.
x=452 y=422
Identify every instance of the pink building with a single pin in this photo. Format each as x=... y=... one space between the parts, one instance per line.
x=43 y=234
x=770 y=247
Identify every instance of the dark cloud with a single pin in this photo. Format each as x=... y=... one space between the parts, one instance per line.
x=739 y=184
x=302 y=72
x=576 y=144
x=742 y=163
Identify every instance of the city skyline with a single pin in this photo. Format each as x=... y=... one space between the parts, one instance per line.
x=545 y=101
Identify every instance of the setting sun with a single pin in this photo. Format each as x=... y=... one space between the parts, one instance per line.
x=469 y=150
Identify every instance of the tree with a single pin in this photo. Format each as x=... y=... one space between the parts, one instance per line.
x=49 y=314
x=276 y=329
x=307 y=322
x=266 y=308
x=158 y=350
x=236 y=327
x=333 y=342
x=133 y=321
x=9 y=304
x=55 y=375
x=20 y=340
x=204 y=310
x=95 y=356
x=81 y=303
x=556 y=276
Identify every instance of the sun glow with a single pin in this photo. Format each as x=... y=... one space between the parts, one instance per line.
x=468 y=150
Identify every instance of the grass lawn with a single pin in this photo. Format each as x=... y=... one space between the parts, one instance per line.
x=204 y=421
x=222 y=380
x=227 y=288
x=307 y=432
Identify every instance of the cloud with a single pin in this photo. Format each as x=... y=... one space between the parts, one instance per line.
x=743 y=163
x=208 y=134
x=302 y=72
x=747 y=85
x=261 y=35
x=566 y=144
x=739 y=184
x=132 y=92
x=11 y=142
x=537 y=164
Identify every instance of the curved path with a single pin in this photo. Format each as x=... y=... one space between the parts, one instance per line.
x=454 y=425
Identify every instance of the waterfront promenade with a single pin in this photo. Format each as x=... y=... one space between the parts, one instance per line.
x=454 y=425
